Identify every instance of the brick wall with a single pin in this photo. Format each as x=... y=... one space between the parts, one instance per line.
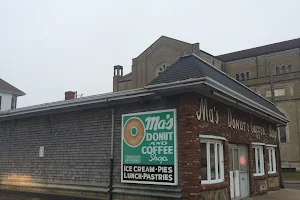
x=190 y=130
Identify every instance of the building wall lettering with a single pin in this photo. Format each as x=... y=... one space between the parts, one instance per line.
x=245 y=126
x=210 y=114
x=207 y=114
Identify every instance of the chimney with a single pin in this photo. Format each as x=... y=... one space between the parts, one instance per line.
x=70 y=95
x=118 y=70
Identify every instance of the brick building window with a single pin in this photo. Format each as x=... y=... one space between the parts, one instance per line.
x=277 y=70
x=271 y=160
x=282 y=133
x=242 y=76
x=277 y=93
x=212 y=163
x=237 y=77
x=290 y=68
x=258 y=160
x=283 y=69
x=248 y=75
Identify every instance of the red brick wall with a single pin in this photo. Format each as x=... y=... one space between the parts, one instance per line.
x=190 y=128
x=190 y=148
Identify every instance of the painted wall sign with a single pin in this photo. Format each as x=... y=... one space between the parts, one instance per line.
x=247 y=126
x=206 y=113
x=149 y=148
x=211 y=114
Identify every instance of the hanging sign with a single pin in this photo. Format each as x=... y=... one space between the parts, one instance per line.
x=149 y=148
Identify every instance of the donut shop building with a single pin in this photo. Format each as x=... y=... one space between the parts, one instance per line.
x=192 y=133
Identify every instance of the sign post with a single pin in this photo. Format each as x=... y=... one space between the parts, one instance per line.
x=149 y=148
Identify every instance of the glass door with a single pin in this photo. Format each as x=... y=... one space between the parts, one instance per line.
x=234 y=172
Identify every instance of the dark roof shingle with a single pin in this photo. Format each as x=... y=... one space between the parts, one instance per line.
x=253 y=52
x=192 y=67
x=6 y=87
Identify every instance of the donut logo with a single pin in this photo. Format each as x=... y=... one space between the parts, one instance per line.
x=134 y=132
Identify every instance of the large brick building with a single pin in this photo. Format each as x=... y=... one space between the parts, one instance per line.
x=274 y=67
x=191 y=133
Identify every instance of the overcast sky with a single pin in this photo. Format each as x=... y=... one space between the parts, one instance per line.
x=48 y=47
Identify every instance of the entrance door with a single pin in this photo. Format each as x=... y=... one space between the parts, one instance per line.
x=234 y=172
x=238 y=162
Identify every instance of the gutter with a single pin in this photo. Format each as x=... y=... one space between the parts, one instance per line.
x=244 y=99
x=237 y=98
x=104 y=98
x=176 y=84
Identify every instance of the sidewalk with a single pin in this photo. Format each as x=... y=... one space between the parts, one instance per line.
x=283 y=194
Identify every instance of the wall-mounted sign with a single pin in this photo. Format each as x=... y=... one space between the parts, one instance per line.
x=149 y=148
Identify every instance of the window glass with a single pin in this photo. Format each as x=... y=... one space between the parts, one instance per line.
x=283 y=69
x=230 y=161
x=258 y=160
x=271 y=160
x=212 y=165
x=236 y=158
x=237 y=77
x=254 y=161
x=269 y=164
x=277 y=70
x=212 y=161
x=248 y=75
x=242 y=76
x=290 y=68
x=203 y=161
x=243 y=154
x=218 y=159
x=282 y=131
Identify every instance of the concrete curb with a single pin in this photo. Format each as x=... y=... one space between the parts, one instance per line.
x=291 y=182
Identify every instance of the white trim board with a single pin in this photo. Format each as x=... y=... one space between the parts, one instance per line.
x=212 y=137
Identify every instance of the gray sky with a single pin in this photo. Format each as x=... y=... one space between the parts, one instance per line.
x=48 y=47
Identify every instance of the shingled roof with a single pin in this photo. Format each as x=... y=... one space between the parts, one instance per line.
x=8 y=88
x=266 y=49
x=193 y=67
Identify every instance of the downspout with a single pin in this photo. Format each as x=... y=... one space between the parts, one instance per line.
x=278 y=143
x=112 y=153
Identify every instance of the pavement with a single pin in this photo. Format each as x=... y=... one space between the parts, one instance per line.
x=283 y=194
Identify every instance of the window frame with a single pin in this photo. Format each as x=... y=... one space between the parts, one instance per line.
x=218 y=158
x=271 y=159
x=260 y=149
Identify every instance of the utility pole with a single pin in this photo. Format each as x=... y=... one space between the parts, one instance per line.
x=278 y=142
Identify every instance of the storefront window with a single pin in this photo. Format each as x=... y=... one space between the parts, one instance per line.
x=212 y=165
x=258 y=160
x=272 y=160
